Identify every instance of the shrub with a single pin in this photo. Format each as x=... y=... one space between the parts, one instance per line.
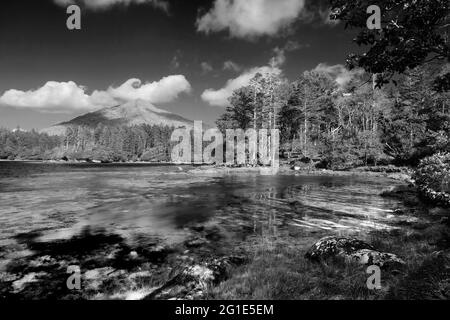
x=432 y=177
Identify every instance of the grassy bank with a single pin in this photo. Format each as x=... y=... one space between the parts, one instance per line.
x=278 y=268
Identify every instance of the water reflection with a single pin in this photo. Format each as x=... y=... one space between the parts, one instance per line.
x=62 y=200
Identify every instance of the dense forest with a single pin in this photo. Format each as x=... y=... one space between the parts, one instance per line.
x=102 y=143
x=349 y=125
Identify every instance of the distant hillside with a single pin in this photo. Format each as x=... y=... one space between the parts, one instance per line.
x=129 y=114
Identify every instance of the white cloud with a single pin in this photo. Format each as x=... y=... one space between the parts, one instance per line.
x=230 y=65
x=279 y=57
x=63 y=97
x=250 y=18
x=105 y=4
x=339 y=72
x=165 y=90
x=220 y=97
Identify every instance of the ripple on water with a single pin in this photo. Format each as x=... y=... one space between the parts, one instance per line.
x=62 y=200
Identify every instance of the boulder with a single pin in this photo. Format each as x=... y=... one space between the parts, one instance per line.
x=381 y=259
x=192 y=281
x=351 y=250
x=329 y=247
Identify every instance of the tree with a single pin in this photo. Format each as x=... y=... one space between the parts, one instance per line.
x=418 y=124
x=305 y=110
x=239 y=114
x=413 y=33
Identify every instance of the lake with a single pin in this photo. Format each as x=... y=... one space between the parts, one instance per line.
x=61 y=199
x=152 y=204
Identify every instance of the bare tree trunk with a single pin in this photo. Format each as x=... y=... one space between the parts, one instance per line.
x=306 y=125
x=255 y=150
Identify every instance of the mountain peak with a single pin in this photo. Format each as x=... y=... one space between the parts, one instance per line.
x=135 y=112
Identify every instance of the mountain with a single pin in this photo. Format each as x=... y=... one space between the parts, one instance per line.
x=129 y=114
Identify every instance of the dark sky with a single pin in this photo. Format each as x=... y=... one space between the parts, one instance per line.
x=140 y=41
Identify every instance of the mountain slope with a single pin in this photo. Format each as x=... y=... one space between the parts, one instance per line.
x=129 y=114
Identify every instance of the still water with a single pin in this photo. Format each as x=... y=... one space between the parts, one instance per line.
x=60 y=200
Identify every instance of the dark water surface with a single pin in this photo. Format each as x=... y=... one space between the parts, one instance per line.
x=60 y=200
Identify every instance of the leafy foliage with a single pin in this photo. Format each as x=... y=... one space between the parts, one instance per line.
x=27 y=145
x=352 y=124
x=103 y=143
x=413 y=32
x=433 y=177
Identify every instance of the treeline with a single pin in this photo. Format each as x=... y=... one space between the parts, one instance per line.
x=31 y=145
x=102 y=143
x=351 y=124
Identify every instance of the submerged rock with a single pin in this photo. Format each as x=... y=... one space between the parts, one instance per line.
x=20 y=284
x=351 y=249
x=196 y=242
x=192 y=281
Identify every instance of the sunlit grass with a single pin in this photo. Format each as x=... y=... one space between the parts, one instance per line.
x=279 y=270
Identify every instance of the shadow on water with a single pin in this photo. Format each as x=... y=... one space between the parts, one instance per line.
x=45 y=270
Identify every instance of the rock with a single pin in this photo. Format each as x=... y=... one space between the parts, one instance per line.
x=192 y=281
x=20 y=284
x=93 y=279
x=8 y=277
x=196 y=242
x=335 y=246
x=43 y=261
x=351 y=250
x=372 y=257
x=133 y=255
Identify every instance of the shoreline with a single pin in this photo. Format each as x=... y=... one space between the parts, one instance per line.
x=400 y=174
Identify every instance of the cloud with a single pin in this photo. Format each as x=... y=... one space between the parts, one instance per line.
x=230 y=65
x=220 y=97
x=339 y=72
x=106 y=4
x=279 y=58
x=165 y=90
x=250 y=18
x=206 y=67
x=63 y=97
